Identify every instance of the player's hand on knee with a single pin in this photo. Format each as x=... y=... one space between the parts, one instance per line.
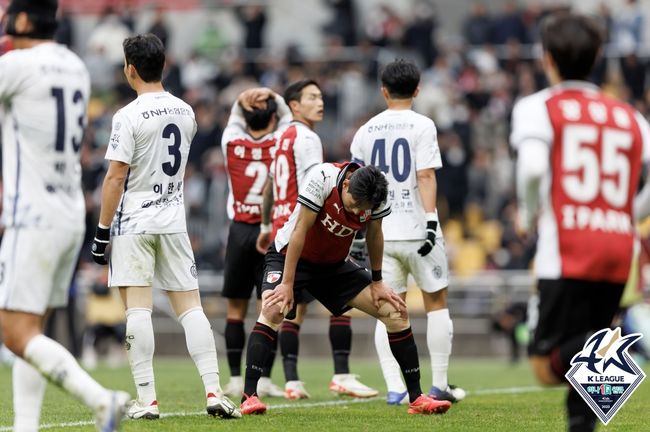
x=430 y=242
x=381 y=293
x=102 y=238
x=282 y=296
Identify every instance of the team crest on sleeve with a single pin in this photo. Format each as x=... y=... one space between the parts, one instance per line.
x=365 y=216
x=604 y=374
x=273 y=276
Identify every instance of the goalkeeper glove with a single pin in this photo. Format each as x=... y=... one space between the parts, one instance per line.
x=430 y=242
x=102 y=238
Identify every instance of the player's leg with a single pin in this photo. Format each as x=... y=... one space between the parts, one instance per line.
x=24 y=297
x=395 y=276
x=289 y=341
x=237 y=289
x=266 y=387
x=131 y=252
x=263 y=336
x=176 y=272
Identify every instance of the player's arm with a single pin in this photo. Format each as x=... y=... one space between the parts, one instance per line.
x=264 y=238
x=111 y=194
x=428 y=190
x=380 y=292
x=532 y=165
x=283 y=293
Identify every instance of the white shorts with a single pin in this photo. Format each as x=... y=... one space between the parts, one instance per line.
x=401 y=258
x=36 y=268
x=162 y=260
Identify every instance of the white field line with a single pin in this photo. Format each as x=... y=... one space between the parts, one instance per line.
x=306 y=405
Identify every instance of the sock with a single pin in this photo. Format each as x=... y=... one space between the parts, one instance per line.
x=289 y=345
x=235 y=339
x=28 y=389
x=389 y=366
x=440 y=332
x=561 y=356
x=341 y=340
x=260 y=342
x=140 y=346
x=268 y=367
x=405 y=351
x=581 y=417
x=201 y=346
x=57 y=365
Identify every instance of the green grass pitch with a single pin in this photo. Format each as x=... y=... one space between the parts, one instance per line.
x=500 y=397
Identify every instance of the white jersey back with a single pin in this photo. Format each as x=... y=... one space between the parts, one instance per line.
x=152 y=135
x=399 y=142
x=44 y=93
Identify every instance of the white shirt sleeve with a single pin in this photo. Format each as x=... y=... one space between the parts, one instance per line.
x=356 y=148
x=530 y=121
x=642 y=200
x=427 y=152
x=122 y=141
x=532 y=164
x=314 y=190
x=308 y=151
x=11 y=78
x=283 y=112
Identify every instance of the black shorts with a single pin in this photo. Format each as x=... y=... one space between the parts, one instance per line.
x=570 y=307
x=334 y=285
x=244 y=264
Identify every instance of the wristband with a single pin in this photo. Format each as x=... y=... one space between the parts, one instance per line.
x=266 y=228
x=376 y=275
x=102 y=234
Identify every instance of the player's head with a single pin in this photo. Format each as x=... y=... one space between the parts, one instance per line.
x=259 y=118
x=144 y=55
x=400 y=80
x=34 y=19
x=365 y=189
x=305 y=100
x=571 y=45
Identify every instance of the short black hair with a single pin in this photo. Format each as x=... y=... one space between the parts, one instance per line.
x=259 y=118
x=573 y=41
x=41 y=14
x=147 y=54
x=294 y=90
x=368 y=185
x=401 y=79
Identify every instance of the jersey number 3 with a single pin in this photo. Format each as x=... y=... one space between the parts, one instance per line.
x=171 y=168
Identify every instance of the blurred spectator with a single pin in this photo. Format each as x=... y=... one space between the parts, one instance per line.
x=64 y=30
x=383 y=25
x=419 y=34
x=478 y=27
x=159 y=28
x=107 y=37
x=343 y=22
x=628 y=26
x=509 y=25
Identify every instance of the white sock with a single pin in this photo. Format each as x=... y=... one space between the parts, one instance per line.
x=29 y=388
x=201 y=346
x=60 y=367
x=440 y=332
x=140 y=345
x=389 y=366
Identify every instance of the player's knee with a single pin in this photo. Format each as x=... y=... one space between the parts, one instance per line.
x=272 y=314
x=15 y=339
x=392 y=318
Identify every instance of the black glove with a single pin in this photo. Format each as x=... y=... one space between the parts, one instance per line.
x=102 y=238
x=430 y=242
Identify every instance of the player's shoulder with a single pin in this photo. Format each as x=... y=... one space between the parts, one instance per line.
x=535 y=101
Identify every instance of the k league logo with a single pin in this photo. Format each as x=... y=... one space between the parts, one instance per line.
x=604 y=374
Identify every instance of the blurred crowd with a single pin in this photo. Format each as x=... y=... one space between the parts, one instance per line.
x=469 y=85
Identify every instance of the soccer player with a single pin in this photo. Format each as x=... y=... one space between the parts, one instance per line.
x=578 y=167
x=309 y=253
x=44 y=91
x=248 y=143
x=298 y=150
x=143 y=217
x=404 y=145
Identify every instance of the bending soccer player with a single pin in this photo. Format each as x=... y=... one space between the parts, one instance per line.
x=309 y=253
x=44 y=92
x=142 y=203
x=414 y=243
x=298 y=150
x=248 y=143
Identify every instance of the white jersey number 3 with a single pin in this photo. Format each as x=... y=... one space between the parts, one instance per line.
x=586 y=174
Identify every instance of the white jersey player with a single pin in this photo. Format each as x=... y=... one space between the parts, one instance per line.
x=403 y=144
x=44 y=91
x=142 y=201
